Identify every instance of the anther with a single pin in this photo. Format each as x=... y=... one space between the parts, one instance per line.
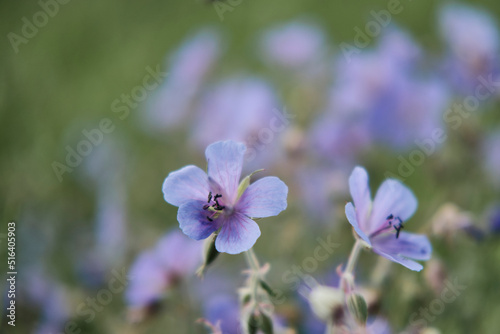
x=209 y=197
x=210 y=219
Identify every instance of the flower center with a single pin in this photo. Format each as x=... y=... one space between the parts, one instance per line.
x=213 y=206
x=391 y=222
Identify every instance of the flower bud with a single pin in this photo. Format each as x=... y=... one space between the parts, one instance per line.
x=260 y=321
x=357 y=307
x=326 y=302
x=449 y=219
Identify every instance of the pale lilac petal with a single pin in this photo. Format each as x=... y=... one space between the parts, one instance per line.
x=185 y=185
x=264 y=198
x=193 y=220
x=410 y=264
x=179 y=254
x=148 y=280
x=392 y=198
x=360 y=192
x=238 y=234
x=410 y=245
x=225 y=161
x=350 y=213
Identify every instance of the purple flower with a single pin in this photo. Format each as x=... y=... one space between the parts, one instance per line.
x=241 y=109
x=377 y=90
x=223 y=310
x=293 y=45
x=472 y=39
x=215 y=202
x=157 y=269
x=491 y=153
x=379 y=223
x=187 y=69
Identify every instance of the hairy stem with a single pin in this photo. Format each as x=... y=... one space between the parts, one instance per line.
x=347 y=281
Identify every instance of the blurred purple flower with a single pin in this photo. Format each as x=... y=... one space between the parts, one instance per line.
x=49 y=296
x=223 y=310
x=378 y=325
x=379 y=223
x=241 y=109
x=377 y=98
x=491 y=153
x=187 y=69
x=293 y=45
x=210 y=203
x=473 y=42
x=174 y=258
x=104 y=170
x=495 y=220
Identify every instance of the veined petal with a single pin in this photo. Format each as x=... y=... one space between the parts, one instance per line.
x=225 y=161
x=410 y=245
x=350 y=213
x=360 y=192
x=410 y=264
x=264 y=198
x=238 y=234
x=392 y=198
x=185 y=185
x=193 y=220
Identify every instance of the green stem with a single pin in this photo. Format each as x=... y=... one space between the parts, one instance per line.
x=254 y=265
x=353 y=257
x=347 y=282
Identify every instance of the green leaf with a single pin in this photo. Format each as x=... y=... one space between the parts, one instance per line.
x=245 y=183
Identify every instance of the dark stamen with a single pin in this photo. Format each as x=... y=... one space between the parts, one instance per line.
x=390 y=217
x=210 y=219
x=398 y=227
x=216 y=197
x=209 y=197
x=206 y=206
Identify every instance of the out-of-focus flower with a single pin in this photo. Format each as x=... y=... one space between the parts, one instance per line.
x=187 y=69
x=495 y=220
x=104 y=172
x=50 y=297
x=242 y=109
x=450 y=219
x=293 y=45
x=327 y=302
x=379 y=223
x=491 y=153
x=473 y=41
x=378 y=98
x=156 y=270
x=215 y=202
x=223 y=311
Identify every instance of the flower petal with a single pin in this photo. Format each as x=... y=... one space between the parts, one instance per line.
x=410 y=245
x=410 y=264
x=238 y=234
x=264 y=198
x=350 y=213
x=193 y=220
x=360 y=192
x=225 y=161
x=185 y=185
x=394 y=198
